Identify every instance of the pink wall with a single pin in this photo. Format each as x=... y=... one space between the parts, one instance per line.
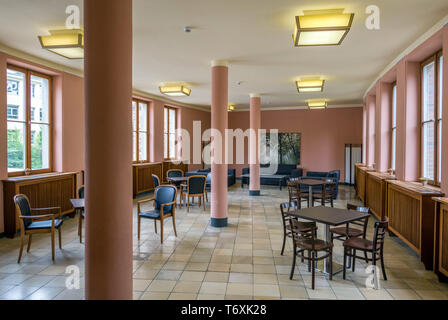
x=371 y=112
x=324 y=134
x=383 y=126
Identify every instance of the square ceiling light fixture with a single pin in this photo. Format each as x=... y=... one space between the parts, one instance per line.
x=66 y=43
x=304 y=86
x=322 y=28
x=315 y=105
x=175 y=91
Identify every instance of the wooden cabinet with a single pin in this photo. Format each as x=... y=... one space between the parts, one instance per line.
x=410 y=209
x=360 y=181
x=142 y=177
x=43 y=191
x=168 y=165
x=376 y=193
x=441 y=238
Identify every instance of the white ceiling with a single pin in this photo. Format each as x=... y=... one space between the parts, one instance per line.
x=253 y=35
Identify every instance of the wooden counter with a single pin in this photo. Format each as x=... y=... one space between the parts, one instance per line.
x=441 y=238
x=376 y=193
x=43 y=191
x=142 y=177
x=410 y=209
x=360 y=181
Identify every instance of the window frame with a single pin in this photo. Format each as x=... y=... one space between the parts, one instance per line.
x=28 y=123
x=166 y=142
x=138 y=132
x=393 y=152
x=437 y=86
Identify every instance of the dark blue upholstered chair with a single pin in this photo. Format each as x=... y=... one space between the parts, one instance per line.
x=195 y=187
x=164 y=207
x=174 y=173
x=81 y=215
x=208 y=185
x=31 y=224
x=156 y=181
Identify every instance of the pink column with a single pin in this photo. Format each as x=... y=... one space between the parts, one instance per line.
x=370 y=152
x=255 y=125
x=444 y=182
x=3 y=130
x=108 y=93
x=383 y=126
x=408 y=126
x=219 y=124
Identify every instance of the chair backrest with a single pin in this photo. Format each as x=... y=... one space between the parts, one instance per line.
x=163 y=195
x=303 y=231
x=156 y=181
x=196 y=185
x=380 y=233
x=287 y=207
x=364 y=222
x=23 y=204
x=174 y=173
x=209 y=178
x=293 y=189
x=81 y=192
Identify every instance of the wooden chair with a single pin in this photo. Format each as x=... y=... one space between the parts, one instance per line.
x=195 y=187
x=81 y=214
x=31 y=224
x=164 y=207
x=295 y=193
x=173 y=173
x=156 y=181
x=375 y=247
x=326 y=194
x=306 y=241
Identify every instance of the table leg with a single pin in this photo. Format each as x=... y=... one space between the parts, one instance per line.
x=324 y=266
x=80 y=225
x=310 y=196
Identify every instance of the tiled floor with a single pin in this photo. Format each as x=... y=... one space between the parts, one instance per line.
x=241 y=261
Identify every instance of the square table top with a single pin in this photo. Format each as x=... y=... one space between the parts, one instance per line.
x=328 y=215
x=177 y=179
x=77 y=203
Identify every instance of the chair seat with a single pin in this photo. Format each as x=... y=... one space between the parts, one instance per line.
x=38 y=225
x=351 y=232
x=288 y=227
x=320 y=195
x=151 y=214
x=319 y=245
x=360 y=244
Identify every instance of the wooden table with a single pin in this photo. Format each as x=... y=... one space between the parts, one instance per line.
x=176 y=180
x=79 y=204
x=330 y=217
x=312 y=183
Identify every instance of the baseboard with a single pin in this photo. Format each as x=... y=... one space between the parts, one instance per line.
x=218 y=222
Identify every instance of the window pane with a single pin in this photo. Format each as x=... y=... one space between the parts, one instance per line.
x=428 y=150
x=15 y=89
x=134 y=146
x=172 y=120
x=394 y=106
x=16 y=146
x=143 y=116
x=428 y=92
x=134 y=116
x=166 y=121
x=172 y=146
x=440 y=86
x=439 y=160
x=143 y=150
x=40 y=103
x=165 y=152
x=40 y=146
x=394 y=147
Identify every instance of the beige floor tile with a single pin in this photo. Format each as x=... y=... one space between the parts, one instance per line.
x=245 y=268
x=241 y=277
x=348 y=293
x=260 y=268
x=182 y=296
x=321 y=293
x=293 y=292
x=18 y=293
x=45 y=293
x=141 y=284
x=219 y=267
x=155 y=296
x=197 y=266
x=245 y=289
x=216 y=288
x=432 y=294
x=372 y=294
x=192 y=276
x=161 y=286
x=168 y=275
x=266 y=290
x=403 y=294
x=216 y=276
x=265 y=278
x=187 y=287
x=210 y=297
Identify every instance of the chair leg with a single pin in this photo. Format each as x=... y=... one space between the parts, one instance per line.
x=22 y=240
x=60 y=237
x=161 y=230
x=383 y=268
x=206 y=196
x=353 y=260
x=313 y=271
x=174 y=225
x=188 y=203
x=80 y=227
x=155 y=225
x=52 y=244
x=203 y=202
x=293 y=263
x=284 y=241
x=345 y=264
x=331 y=264
x=138 y=227
x=365 y=257
x=30 y=238
x=309 y=261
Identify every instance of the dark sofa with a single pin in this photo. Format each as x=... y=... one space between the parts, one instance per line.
x=311 y=175
x=284 y=172
x=231 y=175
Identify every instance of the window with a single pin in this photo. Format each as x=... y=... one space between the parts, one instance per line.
x=140 y=131
x=28 y=121
x=170 y=132
x=432 y=119
x=394 y=127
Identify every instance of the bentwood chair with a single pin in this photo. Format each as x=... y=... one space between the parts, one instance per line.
x=306 y=241
x=31 y=224
x=296 y=193
x=195 y=187
x=164 y=207
x=208 y=185
x=81 y=213
x=156 y=181
x=375 y=247
x=326 y=194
